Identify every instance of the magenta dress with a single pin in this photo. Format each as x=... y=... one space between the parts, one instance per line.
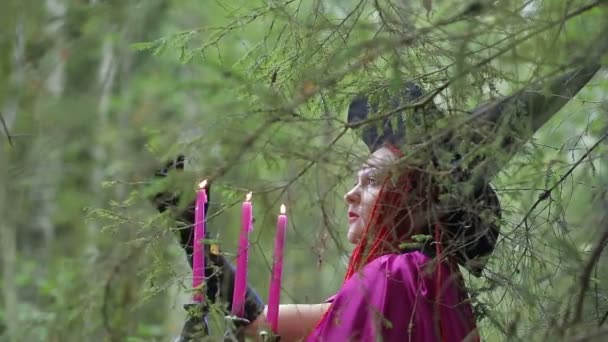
x=393 y=298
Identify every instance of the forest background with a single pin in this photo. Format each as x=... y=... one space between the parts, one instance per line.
x=95 y=95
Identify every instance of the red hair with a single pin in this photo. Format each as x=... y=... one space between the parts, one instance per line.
x=387 y=227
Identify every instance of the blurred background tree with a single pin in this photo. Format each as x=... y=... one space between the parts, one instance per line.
x=95 y=95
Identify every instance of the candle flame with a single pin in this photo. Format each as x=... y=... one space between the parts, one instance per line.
x=202 y=184
x=248 y=197
x=283 y=209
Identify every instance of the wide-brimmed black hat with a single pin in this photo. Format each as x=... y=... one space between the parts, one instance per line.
x=471 y=228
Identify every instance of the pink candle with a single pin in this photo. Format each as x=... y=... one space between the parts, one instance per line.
x=198 y=256
x=240 y=279
x=274 y=296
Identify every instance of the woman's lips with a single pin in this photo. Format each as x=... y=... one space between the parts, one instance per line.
x=352 y=217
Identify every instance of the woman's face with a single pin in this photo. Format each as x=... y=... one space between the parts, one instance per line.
x=361 y=198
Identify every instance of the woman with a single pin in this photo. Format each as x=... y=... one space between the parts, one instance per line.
x=403 y=282
x=391 y=290
x=394 y=289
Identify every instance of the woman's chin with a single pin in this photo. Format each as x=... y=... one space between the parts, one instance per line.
x=352 y=237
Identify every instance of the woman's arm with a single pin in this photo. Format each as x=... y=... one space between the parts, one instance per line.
x=296 y=321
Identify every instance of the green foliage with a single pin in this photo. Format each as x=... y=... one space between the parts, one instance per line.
x=255 y=93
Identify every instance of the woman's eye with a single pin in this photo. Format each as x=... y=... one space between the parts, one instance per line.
x=372 y=178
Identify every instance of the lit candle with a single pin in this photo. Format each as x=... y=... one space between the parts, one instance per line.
x=198 y=256
x=277 y=271
x=240 y=279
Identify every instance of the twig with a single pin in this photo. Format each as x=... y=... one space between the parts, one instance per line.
x=603 y=320
x=107 y=324
x=545 y=194
x=5 y=127
x=584 y=279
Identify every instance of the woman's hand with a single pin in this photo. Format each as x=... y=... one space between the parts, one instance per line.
x=296 y=321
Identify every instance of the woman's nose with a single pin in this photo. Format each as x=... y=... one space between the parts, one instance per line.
x=353 y=196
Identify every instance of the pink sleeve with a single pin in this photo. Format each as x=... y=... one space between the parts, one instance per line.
x=395 y=297
x=330 y=299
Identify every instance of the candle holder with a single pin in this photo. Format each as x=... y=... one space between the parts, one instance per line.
x=235 y=328
x=196 y=327
x=236 y=331
x=269 y=336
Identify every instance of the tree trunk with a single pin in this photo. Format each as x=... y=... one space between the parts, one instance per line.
x=116 y=66
x=105 y=76
x=49 y=169
x=8 y=236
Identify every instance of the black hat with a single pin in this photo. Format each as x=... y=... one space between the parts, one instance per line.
x=471 y=229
